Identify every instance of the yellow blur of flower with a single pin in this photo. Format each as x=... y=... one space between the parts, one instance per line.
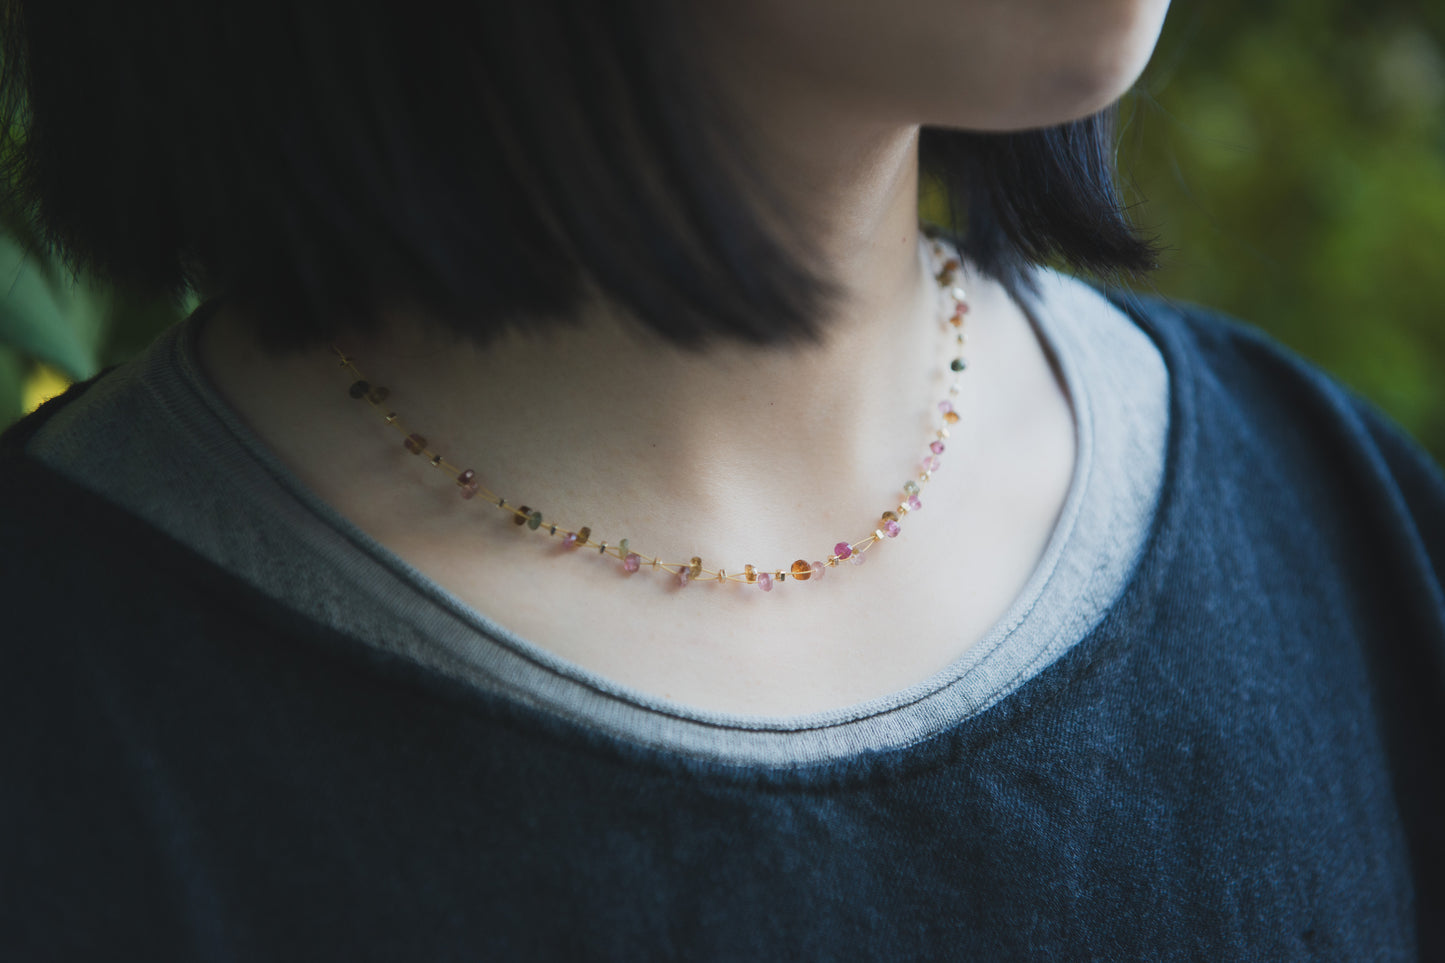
x=43 y=384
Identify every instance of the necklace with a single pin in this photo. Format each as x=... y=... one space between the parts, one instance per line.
x=944 y=266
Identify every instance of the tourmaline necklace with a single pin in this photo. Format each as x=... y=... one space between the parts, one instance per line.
x=945 y=267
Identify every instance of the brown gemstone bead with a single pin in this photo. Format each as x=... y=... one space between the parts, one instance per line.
x=359 y=389
x=583 y=534
x=802 y=571
x=519 y=517
x=890 y=516
x=951 y=417
x=694 y=568
x=415 y=444
x=750 y=574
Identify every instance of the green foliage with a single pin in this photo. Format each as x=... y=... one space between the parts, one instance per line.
x=12 y=381
x=46 y=318
x=1292 y=159
x=74 y=325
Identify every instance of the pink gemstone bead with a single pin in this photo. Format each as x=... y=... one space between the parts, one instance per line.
x=765 y=581
x=931 y=463
x=857 y=559
x=630 y=563
x=842 y=550
x=683 y=577
x=570 y=541
x=913 y=503
x=945 y=406
x=818 y=569
x=936 y=447
x=891 y=529
x=469 y=489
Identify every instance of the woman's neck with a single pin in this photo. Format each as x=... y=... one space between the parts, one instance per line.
x=621 y=431
x=740 y=455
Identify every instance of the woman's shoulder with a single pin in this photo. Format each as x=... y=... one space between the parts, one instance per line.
x=1228 y=367
x=74 y=559
x=1259 y=427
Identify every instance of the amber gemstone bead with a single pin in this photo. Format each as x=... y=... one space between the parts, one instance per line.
x=694 y=568
x=583 y=534
x=414 y=444
x=750 y=573
x=890 y=516
x=802 y=571
x=951 y=417
x=520 y=516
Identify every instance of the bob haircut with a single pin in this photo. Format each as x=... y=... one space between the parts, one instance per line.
x=481 y=162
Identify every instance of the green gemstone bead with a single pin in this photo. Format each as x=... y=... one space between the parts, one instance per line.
x=958 y=364
x=534 y=521
x=911 y=487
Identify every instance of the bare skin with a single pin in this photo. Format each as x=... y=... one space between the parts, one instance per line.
x=741 y=455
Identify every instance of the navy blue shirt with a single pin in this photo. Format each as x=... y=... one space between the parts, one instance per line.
x=1243 y=760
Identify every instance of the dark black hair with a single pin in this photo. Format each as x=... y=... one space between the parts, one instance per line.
x=483 y=162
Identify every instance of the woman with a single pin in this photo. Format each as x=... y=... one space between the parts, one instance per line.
x=346 y=656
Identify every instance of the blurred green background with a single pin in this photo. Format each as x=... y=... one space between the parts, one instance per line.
x=1290 y=156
